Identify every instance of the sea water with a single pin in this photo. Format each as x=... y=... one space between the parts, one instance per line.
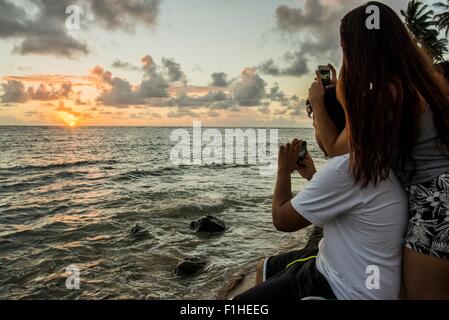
x=70 y=196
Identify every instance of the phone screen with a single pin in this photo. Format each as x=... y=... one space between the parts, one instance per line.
x=302 y=153
x=325 y=75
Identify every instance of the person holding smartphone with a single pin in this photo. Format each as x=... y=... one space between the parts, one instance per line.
x=347 y=213
x=397 y=108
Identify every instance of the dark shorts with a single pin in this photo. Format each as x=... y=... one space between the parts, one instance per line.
x=428 y=227
x=290 y=276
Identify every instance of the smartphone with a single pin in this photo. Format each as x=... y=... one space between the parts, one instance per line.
x=325 y=72
x=302 y=153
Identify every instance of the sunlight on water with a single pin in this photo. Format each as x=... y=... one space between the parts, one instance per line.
x=71 y=196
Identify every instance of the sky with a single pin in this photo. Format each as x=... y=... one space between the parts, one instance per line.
x=239 y=63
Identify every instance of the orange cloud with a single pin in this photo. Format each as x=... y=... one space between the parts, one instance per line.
x=70 y=116
x=52 y=79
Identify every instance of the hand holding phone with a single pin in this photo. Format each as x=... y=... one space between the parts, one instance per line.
x=306 y=166
x=325 y=72
x=302 y=153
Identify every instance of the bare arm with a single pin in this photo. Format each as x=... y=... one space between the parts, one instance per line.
x=336 y=143
x=285 y=217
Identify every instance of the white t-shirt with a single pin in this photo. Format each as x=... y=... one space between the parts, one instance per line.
x=363 y=231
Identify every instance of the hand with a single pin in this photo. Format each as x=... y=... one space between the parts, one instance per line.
x=288 y=157
x=307 y=168
x=333 y=74
x=316 y=92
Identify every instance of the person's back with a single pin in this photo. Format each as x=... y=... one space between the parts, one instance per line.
x=363 y=231
x=361 y=252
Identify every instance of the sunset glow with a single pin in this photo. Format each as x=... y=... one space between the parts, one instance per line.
x=167 y=66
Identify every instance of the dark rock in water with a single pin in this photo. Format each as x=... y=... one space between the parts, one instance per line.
x=190 y=266
x=208 y=224
x=138 y=231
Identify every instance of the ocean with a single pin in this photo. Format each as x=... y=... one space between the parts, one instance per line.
x=70 y=196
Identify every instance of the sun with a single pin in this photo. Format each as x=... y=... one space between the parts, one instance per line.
x=68 y=119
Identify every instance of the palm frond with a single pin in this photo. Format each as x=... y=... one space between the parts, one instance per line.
x=424 y=26
x=442 y=18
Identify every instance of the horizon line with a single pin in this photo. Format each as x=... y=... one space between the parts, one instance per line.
x=143 y=126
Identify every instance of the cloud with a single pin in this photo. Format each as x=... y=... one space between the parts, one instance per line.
x=212 y=99
x=42 y=30
x=60 y=45
x=14 y=92
x=182 y=113
x=120 y=14
x=79 y=102
x=315 y=28
x=118 y=64
x=296 y=66
x=275 y=93
x=154 y=84
x=120 y=92
x=219 y=79
x=78 y=115
x=265 y=109
x=298 y=109
x=154 y=87
x=39 y=25
x=213 y=114
x=250 y=90
x=148 y=65
x=45 y=93
x=54 y=79
x=228 y=104
x=31 y=113
x=269 y=67
x=62 y=108
x=173 y=68
x=145 y=115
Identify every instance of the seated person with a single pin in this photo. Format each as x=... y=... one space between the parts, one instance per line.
x=361 y=252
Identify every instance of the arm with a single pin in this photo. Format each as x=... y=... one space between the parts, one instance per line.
x=336 y=143
x=285 y=217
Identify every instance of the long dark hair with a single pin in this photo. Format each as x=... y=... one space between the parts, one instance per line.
x=385 y=81
x=443 y=67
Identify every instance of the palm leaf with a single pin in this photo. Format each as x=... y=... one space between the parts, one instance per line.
x=420 y=20
x=442 y=18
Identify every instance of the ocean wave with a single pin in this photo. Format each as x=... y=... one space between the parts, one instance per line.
x=39 y=181
x=139 y=174
x=61 y=165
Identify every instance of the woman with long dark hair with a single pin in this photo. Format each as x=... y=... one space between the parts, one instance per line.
x=397 y=110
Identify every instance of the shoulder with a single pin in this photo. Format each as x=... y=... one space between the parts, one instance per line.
x=334 y=173
x=337 y=167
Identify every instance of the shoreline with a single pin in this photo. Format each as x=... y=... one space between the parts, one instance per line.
x=244 y=279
